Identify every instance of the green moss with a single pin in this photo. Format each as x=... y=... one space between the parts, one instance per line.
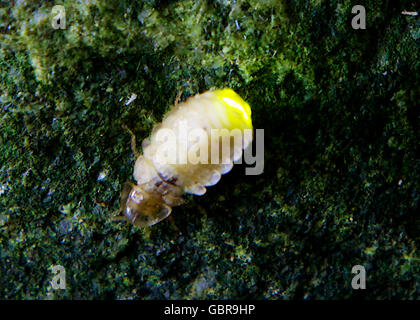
x=341 y=179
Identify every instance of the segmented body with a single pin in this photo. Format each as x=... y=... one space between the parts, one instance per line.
x=191 y=158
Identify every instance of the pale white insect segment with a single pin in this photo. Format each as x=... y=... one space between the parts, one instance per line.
x=196 y=142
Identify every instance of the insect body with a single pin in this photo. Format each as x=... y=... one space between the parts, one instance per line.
x=191 y=148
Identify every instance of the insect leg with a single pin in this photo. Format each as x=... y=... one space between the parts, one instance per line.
x=172 y=221
x=119 y=218
x=178 y=97
x=133 y=141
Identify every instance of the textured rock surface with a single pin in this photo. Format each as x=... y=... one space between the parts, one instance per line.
x=341 y=181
